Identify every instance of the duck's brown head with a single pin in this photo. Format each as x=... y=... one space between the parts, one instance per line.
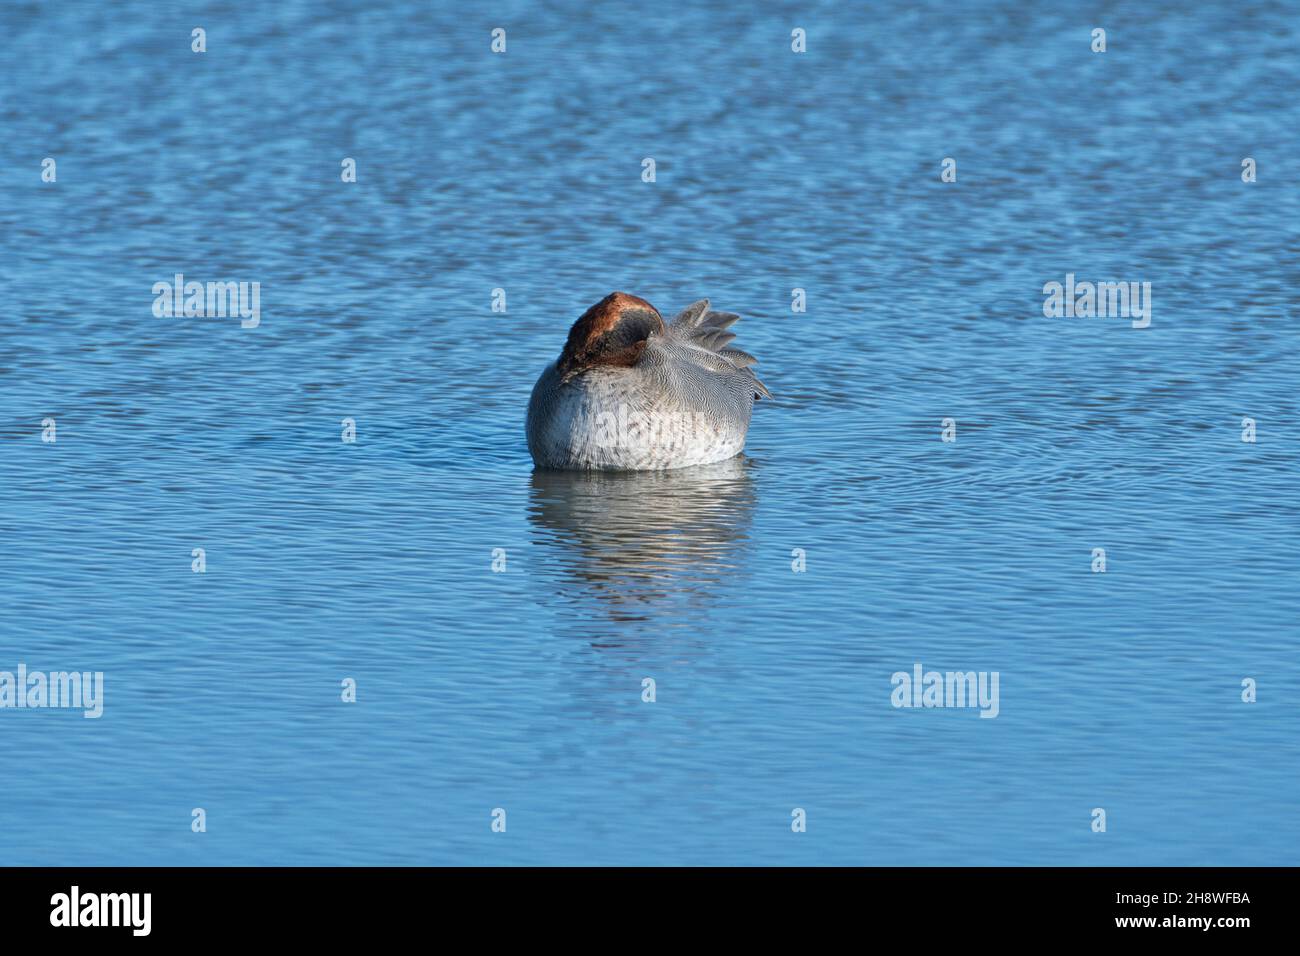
x=612 y=332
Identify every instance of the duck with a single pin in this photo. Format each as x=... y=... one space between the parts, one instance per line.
x=631 y=392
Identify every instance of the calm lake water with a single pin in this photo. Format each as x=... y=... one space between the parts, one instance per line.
x=522 y=689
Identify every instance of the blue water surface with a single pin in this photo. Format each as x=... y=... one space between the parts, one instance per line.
x=522 y=689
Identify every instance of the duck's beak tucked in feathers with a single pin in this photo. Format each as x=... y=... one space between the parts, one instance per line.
x=612 y=332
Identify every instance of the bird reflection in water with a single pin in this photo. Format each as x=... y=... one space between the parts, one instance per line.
x=641 y=546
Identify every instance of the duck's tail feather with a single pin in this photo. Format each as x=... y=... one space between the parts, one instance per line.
x=697 y=325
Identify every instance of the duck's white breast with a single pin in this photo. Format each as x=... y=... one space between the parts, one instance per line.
x=611 y=420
